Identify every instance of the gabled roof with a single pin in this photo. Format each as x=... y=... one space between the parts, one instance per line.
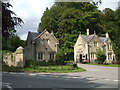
x=34 y=35
x=87 y=37
x=103 y=39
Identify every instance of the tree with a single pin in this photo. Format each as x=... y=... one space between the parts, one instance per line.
x=13 y=43
x=66 y=20
x=111 y=24
x=100 y=56
x=9 y=20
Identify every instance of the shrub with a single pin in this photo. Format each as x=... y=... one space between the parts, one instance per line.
x=100 y=56
x=60 y=60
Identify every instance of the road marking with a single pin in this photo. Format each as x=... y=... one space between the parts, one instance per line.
x=107 y=79
x=4 y=72
x=32 y=74
x=67 y=77
x=91 y=78
x=75 y=77
x=9 y=87
x=116 y=80
x=13 y=73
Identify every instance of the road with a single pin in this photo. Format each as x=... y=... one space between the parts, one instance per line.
x=55 y=81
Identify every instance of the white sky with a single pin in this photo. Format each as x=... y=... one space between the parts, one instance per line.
x=31 y=11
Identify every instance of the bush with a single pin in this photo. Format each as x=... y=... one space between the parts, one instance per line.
x=31 y=63
x=100 y=56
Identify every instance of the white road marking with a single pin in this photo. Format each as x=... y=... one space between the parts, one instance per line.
x=107 y=79
x=67 y=77
x=4 y=72
x=91 y=78
x=12 y=73
x=8 y=86
x=75 y=77
x=116 y=80
x=32 y=74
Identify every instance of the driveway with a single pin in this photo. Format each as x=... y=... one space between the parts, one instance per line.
x=101 y=72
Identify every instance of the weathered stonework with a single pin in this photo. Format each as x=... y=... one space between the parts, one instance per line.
x=15 y=59
x=87 y=45
x=41 y=46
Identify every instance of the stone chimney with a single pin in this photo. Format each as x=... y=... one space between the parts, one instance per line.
x=52 y=33
x=88 y=32
x=107 y=35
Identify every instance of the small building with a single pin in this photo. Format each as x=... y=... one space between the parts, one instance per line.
x=41 y=46
x=87 y=45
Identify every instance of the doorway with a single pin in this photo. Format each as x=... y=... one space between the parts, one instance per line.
x=80 y=58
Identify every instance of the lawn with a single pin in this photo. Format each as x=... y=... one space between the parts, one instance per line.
x=52 y=69
x=109 y=65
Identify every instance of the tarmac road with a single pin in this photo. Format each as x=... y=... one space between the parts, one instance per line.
x=94 y=77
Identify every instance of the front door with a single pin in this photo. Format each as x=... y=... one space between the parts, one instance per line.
x=80 y=58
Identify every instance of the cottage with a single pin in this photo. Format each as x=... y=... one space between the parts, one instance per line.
x=86 y=46
x=41 y=46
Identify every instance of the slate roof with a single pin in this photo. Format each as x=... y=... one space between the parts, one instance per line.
x=34 y=35
x=103 y=39
x=87 y=37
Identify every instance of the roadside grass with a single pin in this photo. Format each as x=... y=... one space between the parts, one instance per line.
x=50 y=69
x=109 y=65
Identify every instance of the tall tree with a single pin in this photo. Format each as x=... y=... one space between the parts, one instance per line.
x=9 y=20
x=66 y=20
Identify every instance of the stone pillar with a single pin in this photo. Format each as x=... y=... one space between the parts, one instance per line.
x=19 y=58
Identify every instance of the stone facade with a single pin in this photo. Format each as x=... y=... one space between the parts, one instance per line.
x=15 y=59
x=86 y=46
x=41 y=46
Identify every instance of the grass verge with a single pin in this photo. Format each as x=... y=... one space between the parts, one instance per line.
x=109 y=65
x=51 y=69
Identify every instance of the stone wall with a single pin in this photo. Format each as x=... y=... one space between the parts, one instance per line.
x=15 y=59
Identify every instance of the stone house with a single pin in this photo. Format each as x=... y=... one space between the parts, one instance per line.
x=86 y=46
x=41 y=46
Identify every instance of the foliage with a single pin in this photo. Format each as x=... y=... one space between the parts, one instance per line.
x=31 y=63
x=100 y=56
x=66 y=20
x=111 y=24
x=10 y=41
x=59 y=69
x=13 y=43
x=9 y=20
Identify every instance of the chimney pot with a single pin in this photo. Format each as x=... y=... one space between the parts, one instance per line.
x=88 y=32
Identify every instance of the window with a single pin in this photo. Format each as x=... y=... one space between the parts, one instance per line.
x=51 y=56
x=109 y=56
x=40 y=56
x=109 y=46
x=46 y=48
x=57 y=45
x=95 y=43
x=92 y=55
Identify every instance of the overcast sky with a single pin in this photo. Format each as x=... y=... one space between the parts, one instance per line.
x=31 y=11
